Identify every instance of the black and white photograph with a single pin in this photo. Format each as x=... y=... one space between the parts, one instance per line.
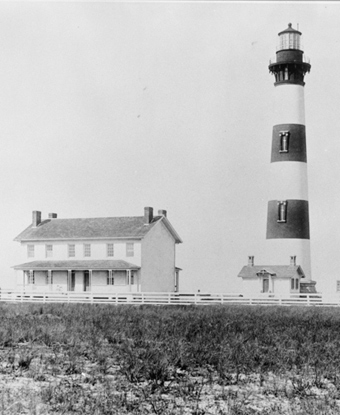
x=170 y=188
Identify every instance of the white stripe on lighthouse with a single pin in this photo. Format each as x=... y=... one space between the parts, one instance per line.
x=289 y=106
x=288 y=180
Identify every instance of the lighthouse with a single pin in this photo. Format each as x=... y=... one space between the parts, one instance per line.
x=288 y=233
x=288 y=258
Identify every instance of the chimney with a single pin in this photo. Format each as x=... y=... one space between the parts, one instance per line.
x=162 y=212
x=52 y=216
x=36 y=218
x=250 y=261
x=293 y=261
x=148 y=215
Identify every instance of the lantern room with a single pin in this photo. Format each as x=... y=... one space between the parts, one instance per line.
x=289 y=39
x=290 y=65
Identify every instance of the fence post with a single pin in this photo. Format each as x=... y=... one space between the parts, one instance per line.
x=308 y=299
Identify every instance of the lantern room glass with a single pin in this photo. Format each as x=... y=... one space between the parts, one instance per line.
x=290 y=40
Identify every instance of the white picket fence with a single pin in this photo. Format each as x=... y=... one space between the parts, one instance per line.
x=167 y=298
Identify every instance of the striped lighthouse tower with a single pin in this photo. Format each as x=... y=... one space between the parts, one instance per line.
x=288 y=216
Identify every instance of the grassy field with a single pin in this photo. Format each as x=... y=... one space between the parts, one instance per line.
x=96 y=359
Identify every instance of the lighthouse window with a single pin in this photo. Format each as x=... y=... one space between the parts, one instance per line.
x=282 y=211
x=284 y=141
x=286 y=77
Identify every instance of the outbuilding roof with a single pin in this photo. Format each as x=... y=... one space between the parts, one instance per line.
x=93 y=228
x=77 y=265
x=276 y=271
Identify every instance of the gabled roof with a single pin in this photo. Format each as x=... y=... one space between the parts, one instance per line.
x=93 y=228
x=276 y=271
x=77 y=265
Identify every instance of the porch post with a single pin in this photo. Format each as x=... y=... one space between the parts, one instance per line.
x=129 y=278
x=23 y=279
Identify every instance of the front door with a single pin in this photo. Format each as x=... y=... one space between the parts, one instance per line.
x=86 y=280
x=72 y=281
x=265 y=285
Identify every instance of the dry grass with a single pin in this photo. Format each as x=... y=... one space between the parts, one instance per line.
x=96 y=359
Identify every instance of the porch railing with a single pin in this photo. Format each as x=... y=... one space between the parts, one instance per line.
x=168 y=298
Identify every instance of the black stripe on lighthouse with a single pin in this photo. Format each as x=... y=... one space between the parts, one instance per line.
x=288 y=219
x=289 y=143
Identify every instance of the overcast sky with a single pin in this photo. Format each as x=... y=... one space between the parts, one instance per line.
x=110 y=107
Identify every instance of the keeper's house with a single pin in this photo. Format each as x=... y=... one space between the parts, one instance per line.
x=119 y=254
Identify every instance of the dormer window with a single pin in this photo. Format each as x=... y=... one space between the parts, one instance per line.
x=282 y=211
x=284 y=141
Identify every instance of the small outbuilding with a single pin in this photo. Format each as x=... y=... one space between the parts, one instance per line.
x=274 y=279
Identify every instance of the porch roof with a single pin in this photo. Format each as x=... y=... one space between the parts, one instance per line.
x=77 y=265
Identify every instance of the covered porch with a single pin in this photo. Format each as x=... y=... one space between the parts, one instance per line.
x=79 y=276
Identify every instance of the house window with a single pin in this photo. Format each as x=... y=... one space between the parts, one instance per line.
x=30 y=277
x=132 y=279
x=109 y=250
x=110 y=279
x=71 y=250
x=338 y=285
x=297 y=284
x=87 y=249
x=130 y=249
x=282 y=211
x=49 y=251
x=292 y=284
x=284 y=141
x=30 y=251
